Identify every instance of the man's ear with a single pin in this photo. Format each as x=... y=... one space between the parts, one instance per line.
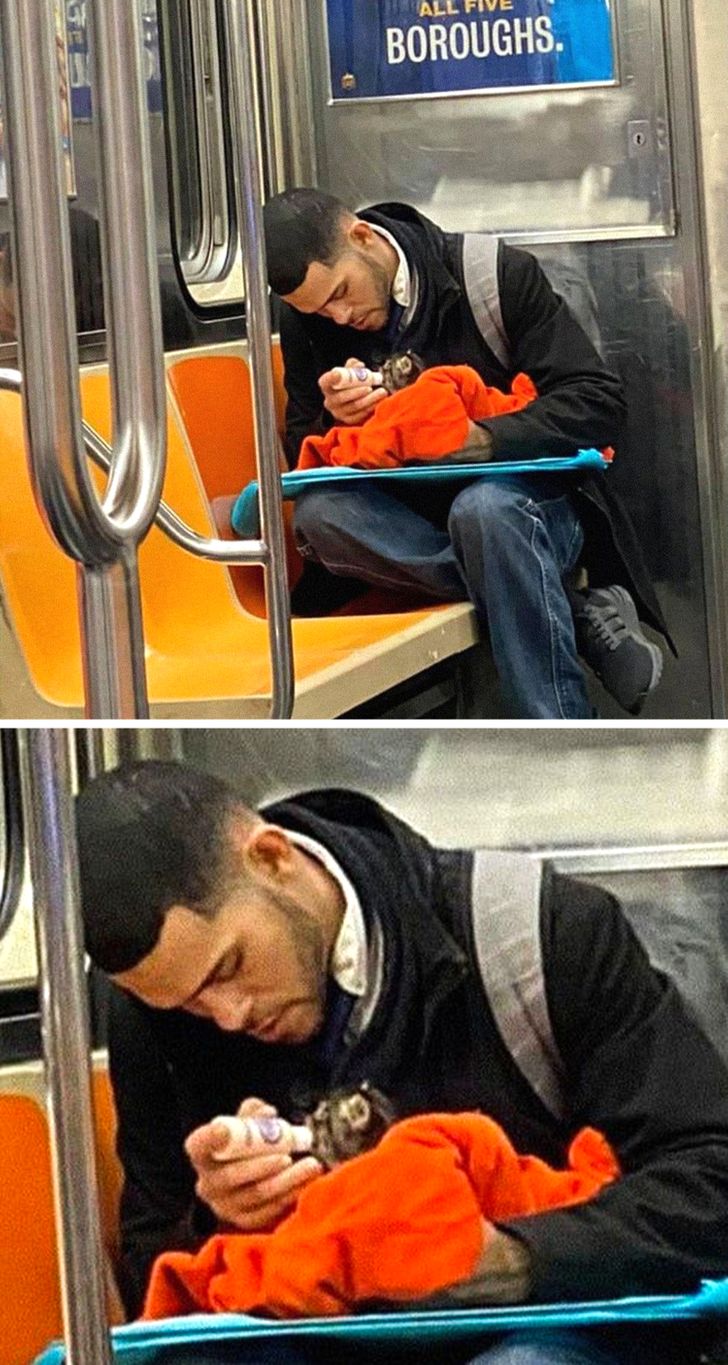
x=269 y=853
x=360 y=234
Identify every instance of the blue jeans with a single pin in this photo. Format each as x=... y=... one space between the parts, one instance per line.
x=547 y=1348
x=651 y=1344
x=504 y=544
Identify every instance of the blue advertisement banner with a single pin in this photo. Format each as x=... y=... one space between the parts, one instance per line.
x=79 y=61
x=409 y=49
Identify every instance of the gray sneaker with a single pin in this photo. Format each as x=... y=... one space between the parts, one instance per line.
x=610 y=640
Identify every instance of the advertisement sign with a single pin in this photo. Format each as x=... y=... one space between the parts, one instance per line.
x=414 y=49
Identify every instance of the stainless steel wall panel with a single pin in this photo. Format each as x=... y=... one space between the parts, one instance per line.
x=577 y=163
x=706 y=23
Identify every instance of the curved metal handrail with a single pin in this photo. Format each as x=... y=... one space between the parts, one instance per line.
x=244 y=131
x=14 y=868
x=128 y=231
x=102 y=536
x=203 y=547
x=229 y=552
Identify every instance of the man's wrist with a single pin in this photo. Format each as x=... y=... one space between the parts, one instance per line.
x=478 y=445
x=502 y=1274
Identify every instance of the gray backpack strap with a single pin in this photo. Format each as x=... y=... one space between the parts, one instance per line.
x=506 y=903
x=480 y=276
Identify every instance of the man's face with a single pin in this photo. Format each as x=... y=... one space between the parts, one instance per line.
x=355 y=290
x=259 y=966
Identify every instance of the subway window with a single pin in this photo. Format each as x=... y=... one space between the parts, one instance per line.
x=200 y=170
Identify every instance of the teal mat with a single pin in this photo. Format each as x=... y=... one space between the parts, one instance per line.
x=142 y=1343
x=245 y=518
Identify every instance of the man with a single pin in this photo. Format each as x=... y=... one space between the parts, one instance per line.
x=266 y=957
x=357 y=288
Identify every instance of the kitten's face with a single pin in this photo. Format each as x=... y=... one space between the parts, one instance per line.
x=401 y=370
x=348 y=1123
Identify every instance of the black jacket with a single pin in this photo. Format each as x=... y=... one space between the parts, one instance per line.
x=638 y=1068
x=580 y=403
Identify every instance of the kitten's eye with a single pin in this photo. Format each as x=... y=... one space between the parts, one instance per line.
x=229 y=966
x=359 y=1112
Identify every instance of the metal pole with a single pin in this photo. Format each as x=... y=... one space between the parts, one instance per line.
x=102 y=538
x=44 y=281
x=64 y=1022
x=177 y=530
x=240 y=58
x=128 y=237
x=14 y=861
x=111 y=616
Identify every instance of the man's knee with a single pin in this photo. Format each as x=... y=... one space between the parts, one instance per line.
x=528 y=1353
x=320 y=515
x=309 y=513
x=547 y=1348
x=487 y=504
x=485 y=514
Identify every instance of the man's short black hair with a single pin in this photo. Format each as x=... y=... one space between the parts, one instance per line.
x=150 y=835
x=301 y=226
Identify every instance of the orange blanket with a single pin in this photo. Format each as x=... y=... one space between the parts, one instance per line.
x=400 y=1222
x=426 y=421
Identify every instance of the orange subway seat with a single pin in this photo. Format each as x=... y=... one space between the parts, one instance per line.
x=215 y=401
x=29 y=1285
x=201 y=644
x=29 y=1277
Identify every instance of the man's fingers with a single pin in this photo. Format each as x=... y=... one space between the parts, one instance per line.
x=203 y=1142
x=253 y=1108
x=251 y=1207
x=284 y=1185
x=346 y=394
x=350 y=410
x=240 y=1179
x=262 y=1219
x=371 y=399
x=354 y=364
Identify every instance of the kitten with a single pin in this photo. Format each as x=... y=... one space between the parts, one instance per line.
x=349 y=1122
x=398 y=371
x=393 y=374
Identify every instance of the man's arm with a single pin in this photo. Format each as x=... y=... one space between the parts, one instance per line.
x=640 y=1070
x=158 y=1207
x=580 y=401
x=305 y=413
x=502 y=1275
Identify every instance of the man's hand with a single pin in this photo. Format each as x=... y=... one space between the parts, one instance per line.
x=478 y=446
x=349 y=406
x=502 y=1275
x=251 y=1194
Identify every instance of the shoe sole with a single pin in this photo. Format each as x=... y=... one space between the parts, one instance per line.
x=629 y=614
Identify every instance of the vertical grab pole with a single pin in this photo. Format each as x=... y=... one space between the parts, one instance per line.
x=240 y=57
x=11 y=885
x=64 y=1021
x=102 y=539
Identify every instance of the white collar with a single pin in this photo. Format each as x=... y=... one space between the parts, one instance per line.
x=404 y=288
x=349 y=958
